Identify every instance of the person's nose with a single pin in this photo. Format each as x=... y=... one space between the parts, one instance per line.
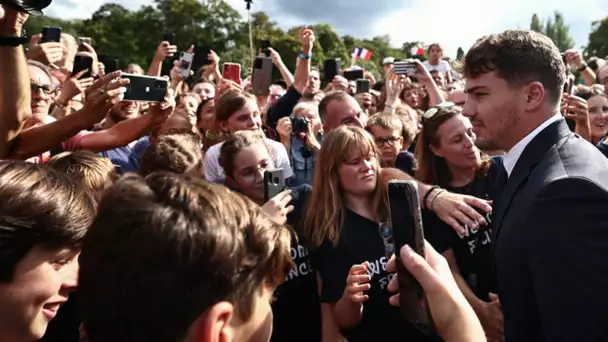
x=468 y=109
x=70 y=277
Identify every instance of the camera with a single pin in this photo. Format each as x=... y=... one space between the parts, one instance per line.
x=299 y=125
x=32 y=7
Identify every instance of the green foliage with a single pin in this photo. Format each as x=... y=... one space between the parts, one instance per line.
x=554 y=28
x=133 y=36
x=598 y=39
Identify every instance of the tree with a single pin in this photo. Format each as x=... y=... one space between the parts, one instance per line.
x=536 y=24
x=598 y=39
x=459 y=54
x=554 y=28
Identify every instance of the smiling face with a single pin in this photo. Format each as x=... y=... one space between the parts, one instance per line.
x=456 y=143
x=248 y=118
x=124 y=110
x=42 y=91
x=41 y=283
x=598 y=116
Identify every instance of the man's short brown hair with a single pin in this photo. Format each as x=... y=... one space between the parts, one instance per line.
x=337 y=95
x=39 y=207
x=166 y=248
x=177 y=152
x=92 y=172
x=519 y=57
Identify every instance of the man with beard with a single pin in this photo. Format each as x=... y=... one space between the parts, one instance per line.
x=550 y=237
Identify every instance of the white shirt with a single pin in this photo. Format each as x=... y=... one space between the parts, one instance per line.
x=443 y=66
x=510 y=159
x=215 y=173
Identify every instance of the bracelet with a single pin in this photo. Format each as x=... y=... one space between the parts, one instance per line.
x=304 y=56
x=434 y=198
x=583 y=67
x=426 y=196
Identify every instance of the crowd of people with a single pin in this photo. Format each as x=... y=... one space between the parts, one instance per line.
x=124 y=220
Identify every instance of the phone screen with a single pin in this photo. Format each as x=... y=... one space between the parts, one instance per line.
x=362 y=86
x=83 y=63
x=331 y=68
x=51 y=34
x=353 y=75
x=406 y=223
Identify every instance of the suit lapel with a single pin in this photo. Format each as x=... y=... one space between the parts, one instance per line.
x=532 y=155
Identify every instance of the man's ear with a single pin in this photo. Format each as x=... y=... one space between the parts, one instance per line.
x=535 y=96
x=214 y=325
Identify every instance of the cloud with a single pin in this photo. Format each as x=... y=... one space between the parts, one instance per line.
x=452 y=23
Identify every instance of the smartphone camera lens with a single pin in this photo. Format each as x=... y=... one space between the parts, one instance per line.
x=275 y=181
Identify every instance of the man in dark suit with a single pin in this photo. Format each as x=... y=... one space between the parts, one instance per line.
x=551 y=221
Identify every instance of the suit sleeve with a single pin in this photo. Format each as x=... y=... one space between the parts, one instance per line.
x=568 y=259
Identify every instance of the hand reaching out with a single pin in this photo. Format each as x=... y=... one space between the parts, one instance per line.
x=46 y=53
x=103 y=94
x=164 y=50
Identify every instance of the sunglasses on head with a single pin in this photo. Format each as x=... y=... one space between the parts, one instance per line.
x=429 y=114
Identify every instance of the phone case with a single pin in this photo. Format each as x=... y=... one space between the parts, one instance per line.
x=406 y=222
x=82 y=63
x=51 y=34
x=353 y=75
x=261 y=79
x=405 y=68
x=185 y=63
x=362 y=86
x=274 y=183
x=145 y=88
x=232 y=71
x=331 y=68
x=169 y=37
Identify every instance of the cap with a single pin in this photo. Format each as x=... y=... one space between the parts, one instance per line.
x=31 y=7
x=388 y=60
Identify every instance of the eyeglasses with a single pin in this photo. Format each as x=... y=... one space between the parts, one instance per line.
x=429 y=114
x=381 y=141
x=386 y=233
x=47 y=89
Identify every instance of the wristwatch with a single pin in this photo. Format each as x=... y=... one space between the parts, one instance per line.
x=583 y=67
x=304 y=56
x=14 y=40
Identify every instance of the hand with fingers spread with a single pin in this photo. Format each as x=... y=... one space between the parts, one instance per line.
x=357 y=283
x=575 y=108
x=454 y=318
x=73 y=86
x=164 y=50
x=278 y=207
x=103 y=94
x=459 y=210
x=394 y=85
x=46 y=53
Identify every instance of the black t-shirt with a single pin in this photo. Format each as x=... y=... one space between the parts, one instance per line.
x=406 y=162
x=473 y=249
x=360 y=241
x=297 y=309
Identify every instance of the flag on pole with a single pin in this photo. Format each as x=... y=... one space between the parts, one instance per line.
x=361 y=53
x=417 y=51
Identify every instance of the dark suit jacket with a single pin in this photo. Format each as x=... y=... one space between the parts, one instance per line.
x=551 y=241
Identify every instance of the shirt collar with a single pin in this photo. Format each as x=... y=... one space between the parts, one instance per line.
x=510 y=158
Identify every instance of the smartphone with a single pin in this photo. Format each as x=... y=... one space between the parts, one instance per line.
x=51 y=34
x=83 y=63
x=362 y=85
x=353 y=75
x=569 y=89
x=232 y=71
x=406 y=222
x=331 y=68
x=261 y=79
x=145 y=88
x=405 y=68
x=169 y=37
x=110 y=64
x=274 y=183
x=185 y=63
x=264 y=45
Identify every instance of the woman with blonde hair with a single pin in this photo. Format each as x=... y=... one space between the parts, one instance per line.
x=346 y=225
x=447 y=156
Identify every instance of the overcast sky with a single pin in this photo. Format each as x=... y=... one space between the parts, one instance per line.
x=453 y=23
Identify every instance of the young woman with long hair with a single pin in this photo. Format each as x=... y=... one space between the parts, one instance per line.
x=447 y=156
x=237 y=111
x=346 y=224
x=245 y=157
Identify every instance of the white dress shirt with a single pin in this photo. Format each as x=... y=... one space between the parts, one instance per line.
x=511 y=158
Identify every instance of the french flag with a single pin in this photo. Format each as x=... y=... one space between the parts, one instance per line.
x=359 y=53
x=416 y=51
